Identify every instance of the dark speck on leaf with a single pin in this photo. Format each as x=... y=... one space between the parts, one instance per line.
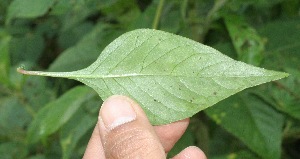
x=215 y=93
x=155 y=100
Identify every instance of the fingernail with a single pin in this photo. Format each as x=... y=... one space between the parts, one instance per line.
x=116 y=111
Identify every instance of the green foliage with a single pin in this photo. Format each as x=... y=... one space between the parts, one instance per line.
x=56 y=113
x=175 y=78
x=4 y=57
x=27 y=9
x=264 y=125
x=63 y=35
x=247 y=43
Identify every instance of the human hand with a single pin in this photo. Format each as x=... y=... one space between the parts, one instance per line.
x=124 y=131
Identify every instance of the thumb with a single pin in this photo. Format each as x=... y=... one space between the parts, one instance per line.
x=126 y=132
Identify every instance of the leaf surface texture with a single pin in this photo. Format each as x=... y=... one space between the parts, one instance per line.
x=170 y=76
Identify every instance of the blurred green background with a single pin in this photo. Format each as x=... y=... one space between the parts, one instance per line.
x=53 y=118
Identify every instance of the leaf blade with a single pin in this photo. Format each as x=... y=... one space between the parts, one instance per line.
x=171 y=77
x=24 y=9
x=55 y=114
x=252 y=121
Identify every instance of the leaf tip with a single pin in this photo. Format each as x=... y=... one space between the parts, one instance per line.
x=284 y=74
x=276 y=75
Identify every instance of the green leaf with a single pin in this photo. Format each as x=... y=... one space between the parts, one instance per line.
x=72 y=13
x=55 y=114
x=283 y=45
x=4 y=57
x=91 y=43
x=10 y=126
x=39 y=156
x=122 y=11
x=26 y=48
x=10 y=150
x=247 y=43
x=28 y=9
x=171 y=20
x=32 y=88
x=71 y=36
x=74 y=130
x=253 y=122
x=171 y=77
x=225 y=142
x=237 y=155
x=145 y=19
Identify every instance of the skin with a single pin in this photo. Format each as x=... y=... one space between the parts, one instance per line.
x=134 y=137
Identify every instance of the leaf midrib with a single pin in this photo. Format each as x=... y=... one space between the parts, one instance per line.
x=77 y=74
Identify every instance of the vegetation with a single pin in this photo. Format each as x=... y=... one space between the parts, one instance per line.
x=52 y=118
